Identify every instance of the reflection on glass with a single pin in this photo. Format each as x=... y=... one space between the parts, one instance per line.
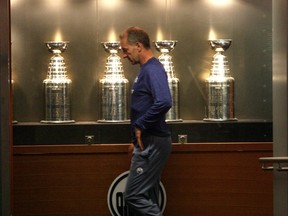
x=220 y=3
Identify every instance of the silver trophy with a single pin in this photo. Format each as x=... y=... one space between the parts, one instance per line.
x=114 y=87
x=220 y=85
x=57 y=86
x=166 y=46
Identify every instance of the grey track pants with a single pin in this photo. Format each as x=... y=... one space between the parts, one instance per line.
x=142 y=189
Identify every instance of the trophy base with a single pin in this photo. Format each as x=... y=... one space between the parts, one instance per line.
x=174 y=120
x=220 y=120
x=57 y=122
x=113 y=121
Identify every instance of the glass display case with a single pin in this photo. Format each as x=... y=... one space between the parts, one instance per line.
x=86 y=23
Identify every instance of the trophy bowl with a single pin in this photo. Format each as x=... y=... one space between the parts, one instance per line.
x=57 y=46
x=223 y=44
x=111 y=46
x=165 y=45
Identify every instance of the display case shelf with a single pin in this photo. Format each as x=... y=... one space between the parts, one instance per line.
x=34 y=133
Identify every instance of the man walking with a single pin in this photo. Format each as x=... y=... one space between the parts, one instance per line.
x=150 y=101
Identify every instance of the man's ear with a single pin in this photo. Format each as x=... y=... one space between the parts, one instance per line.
x=139 y=46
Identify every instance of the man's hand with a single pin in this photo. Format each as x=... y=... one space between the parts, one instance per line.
x=138 y=133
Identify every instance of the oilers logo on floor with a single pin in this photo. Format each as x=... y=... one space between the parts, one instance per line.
x=115 y=199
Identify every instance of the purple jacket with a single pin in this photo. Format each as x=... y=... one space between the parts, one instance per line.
x=151 y=99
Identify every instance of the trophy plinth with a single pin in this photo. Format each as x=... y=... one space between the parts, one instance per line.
x=114 y=87
x=57 y=86
x=220 y=85
x=166 y=46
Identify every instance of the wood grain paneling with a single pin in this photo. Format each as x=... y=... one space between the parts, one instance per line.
x=199 y=179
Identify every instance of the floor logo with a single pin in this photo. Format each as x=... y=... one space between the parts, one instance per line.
x=116 y=201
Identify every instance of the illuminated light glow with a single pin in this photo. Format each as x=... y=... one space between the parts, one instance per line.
x=220 y=3
x=212 y=35
x=203 y=76
x=111 y=4
x=159 y=3
x=14 y=2
x=159 y=35
x=56 y=5
x=112 y=35
x=58 y=36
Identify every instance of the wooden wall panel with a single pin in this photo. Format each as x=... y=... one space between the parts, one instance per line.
x=218 y=184
x=65 y=184
x=199 y=179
